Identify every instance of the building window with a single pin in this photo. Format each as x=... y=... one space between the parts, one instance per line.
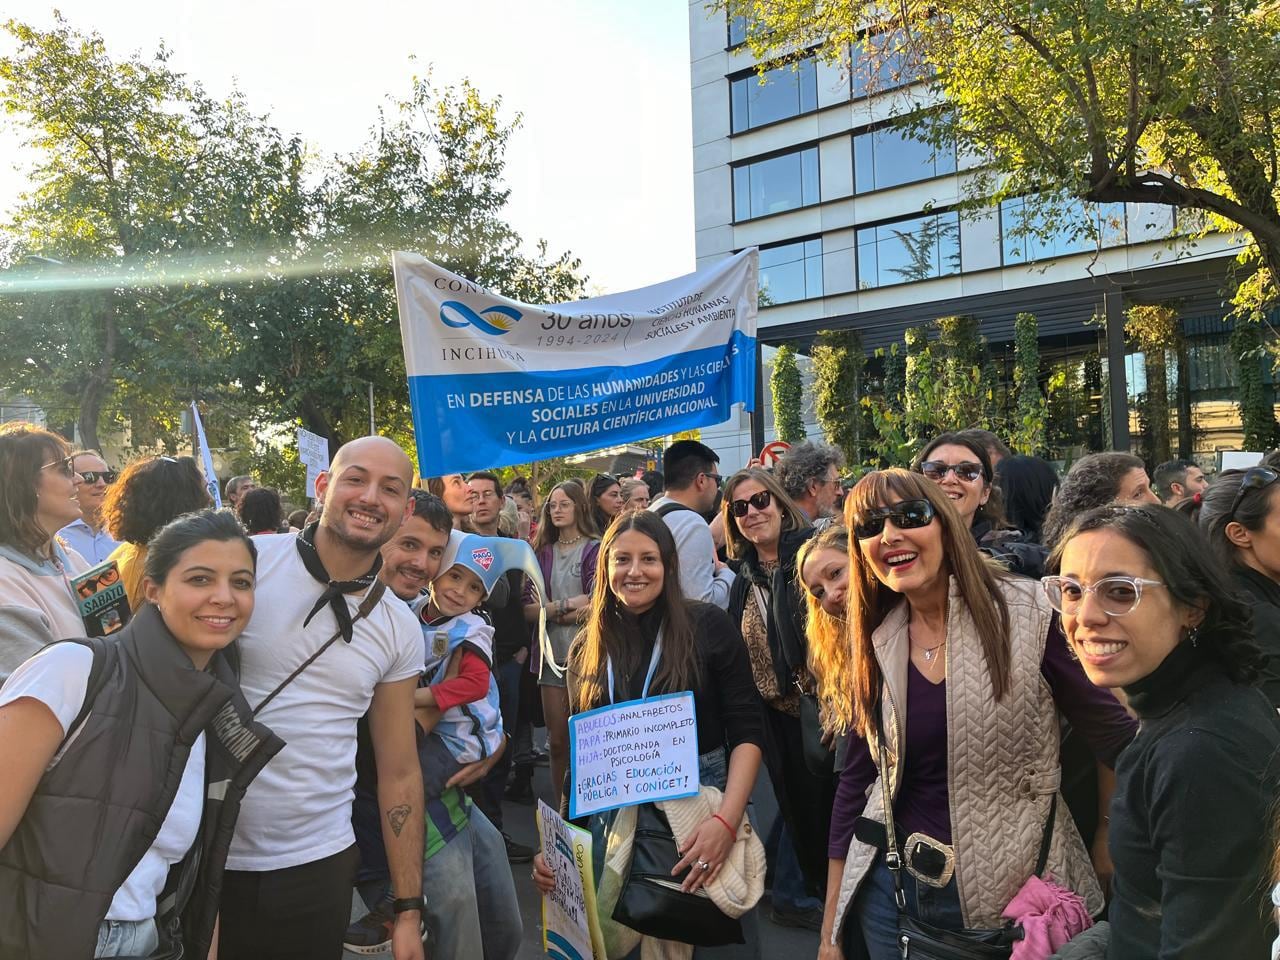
x=881 y=62
x=890 y=157
x=1030 y=233
x=792 y=271
x=779 y=183
x=909 y=251
x=737 y=30
x=787 y=91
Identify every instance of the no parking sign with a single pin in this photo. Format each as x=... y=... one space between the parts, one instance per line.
x=772 y=452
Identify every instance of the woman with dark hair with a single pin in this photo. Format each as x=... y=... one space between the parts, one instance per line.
x=261 y=511
x=1093 y=481
x=148 y=495
x=38 y=486
x=957 y=672
x=764 y=531
x=1147 y=607
x=566 y=546
x=1239 y=514
x=110 y=845
x=645 y=637
x=1027 y=486
x=605 y=497
x=960 y=465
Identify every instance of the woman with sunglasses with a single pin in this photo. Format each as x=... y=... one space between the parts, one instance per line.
x=38 y=485
x=1146 y=607
x=148 y=494
x=605 y=497
x=962 y=670
x=961 y=466
x=1094 y=481
x=1240 y=515
x=763 y=534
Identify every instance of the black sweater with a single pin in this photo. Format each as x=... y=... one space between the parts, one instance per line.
x=1191 y=819
x=1263 y=596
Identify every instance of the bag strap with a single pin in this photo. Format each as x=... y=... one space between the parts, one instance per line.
x=366 y=607
x=671 y=507
x=97 y=680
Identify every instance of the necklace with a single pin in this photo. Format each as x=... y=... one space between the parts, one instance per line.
x=568 y=543
x=929 y=653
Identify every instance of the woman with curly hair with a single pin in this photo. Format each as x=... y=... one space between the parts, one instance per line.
x=260 y=511
x=1094 y=481
x=1146 y=607
x=147 y=496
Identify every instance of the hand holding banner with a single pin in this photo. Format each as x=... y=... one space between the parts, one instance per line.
x=570 y=930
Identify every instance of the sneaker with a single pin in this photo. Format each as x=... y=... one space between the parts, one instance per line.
x=371 y=934
x=518 y=852
x=793 y=917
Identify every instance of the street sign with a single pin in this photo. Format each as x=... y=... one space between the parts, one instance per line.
x=773 y=451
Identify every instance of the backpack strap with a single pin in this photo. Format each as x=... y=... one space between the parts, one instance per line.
x=97 y=680
x=671 y=506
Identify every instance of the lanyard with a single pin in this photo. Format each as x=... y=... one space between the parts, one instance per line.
x=648 y=677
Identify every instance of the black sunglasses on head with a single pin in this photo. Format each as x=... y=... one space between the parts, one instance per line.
x=93 y=476
x=759 y=500
x=907 y=515
x=1255 y=478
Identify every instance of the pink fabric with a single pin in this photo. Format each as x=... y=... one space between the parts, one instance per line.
x=1050 y=916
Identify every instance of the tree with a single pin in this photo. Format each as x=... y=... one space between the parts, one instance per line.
x=784 y=382
x=1155 y=329
x=1257 y=411
x=1113 y=101
x=1028 y=433
x=839 y=370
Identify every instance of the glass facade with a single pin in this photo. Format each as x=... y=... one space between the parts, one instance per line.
x=1076 y=228
x=737 y=30
x=791 y=272
x=777 y=184
x=879 y=63
x=908 y=251
x=890 y=157
x=787 y=91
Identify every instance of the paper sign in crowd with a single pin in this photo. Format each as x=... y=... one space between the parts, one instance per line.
x=570 y=930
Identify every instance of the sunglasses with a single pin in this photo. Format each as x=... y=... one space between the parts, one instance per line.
x=937 y=471
x=1255 y=478
x=718 y=479
x=93 y=476
x=907 y=515
x=1116 y=595
x=759 y=500
x=66 y=466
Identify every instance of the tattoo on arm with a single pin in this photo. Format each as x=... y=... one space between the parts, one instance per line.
x=397 y=816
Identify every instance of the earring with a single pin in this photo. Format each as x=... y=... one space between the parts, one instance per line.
x=1193 y=635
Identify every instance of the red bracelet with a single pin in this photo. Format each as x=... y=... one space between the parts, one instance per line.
x=732 y=832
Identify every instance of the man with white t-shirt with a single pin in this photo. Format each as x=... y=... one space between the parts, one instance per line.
x=689 y=471
x=287 y=892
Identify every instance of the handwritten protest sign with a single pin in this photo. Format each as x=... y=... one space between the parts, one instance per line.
x=641 y=751
x=313 y=451
x=570 y=929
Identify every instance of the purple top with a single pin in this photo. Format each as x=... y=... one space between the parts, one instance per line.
x=922 y=804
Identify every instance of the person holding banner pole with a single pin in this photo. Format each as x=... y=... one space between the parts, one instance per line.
x=566 y=547
x=644 y=638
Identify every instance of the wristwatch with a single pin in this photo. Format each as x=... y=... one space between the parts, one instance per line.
x=404 y=904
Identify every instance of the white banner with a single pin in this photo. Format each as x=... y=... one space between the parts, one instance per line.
x=210 y=477
x=495 y=382
x=313 y=451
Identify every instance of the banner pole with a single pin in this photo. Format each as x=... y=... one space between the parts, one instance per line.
x=757 y=415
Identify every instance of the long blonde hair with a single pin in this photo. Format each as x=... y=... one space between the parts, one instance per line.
x=830 y=657
x=870 y=601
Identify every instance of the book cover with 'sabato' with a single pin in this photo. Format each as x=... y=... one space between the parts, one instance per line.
x=104 y=605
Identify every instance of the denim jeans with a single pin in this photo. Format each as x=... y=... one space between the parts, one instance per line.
x=875 y=912
x=789 y=891
x=472 y=909
x=127 y=938
x=488 y=792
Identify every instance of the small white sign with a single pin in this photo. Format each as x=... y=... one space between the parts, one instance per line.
x=641 y=751
x=570 y=930
x=1238 y=460
x=313 y=449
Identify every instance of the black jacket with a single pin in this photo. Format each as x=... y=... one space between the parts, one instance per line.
x=1191 y=818
x=1012 y=549
x=787 y=643
x=1263 y=597
x=98 y=810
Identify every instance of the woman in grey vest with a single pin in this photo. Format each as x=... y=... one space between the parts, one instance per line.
x=125 y=759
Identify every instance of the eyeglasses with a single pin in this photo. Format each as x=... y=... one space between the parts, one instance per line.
x=1116 y=595
x=907 y=515
x=66 y=466
x=937 y=471
x=1255 y=478
x=720 y=482
x=759 y=500
x=93 y=476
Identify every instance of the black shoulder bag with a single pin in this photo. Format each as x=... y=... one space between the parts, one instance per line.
x=918 y=940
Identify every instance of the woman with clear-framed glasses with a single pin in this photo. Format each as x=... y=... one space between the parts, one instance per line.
x=1240 y=515
x=959 y=669
x=1146 y=607
x=38 y=485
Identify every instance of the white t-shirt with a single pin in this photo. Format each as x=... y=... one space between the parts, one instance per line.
x=59 y=678
x=298 y=810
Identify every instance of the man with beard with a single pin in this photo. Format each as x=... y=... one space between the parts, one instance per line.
x=810 y=473
x=325 y=646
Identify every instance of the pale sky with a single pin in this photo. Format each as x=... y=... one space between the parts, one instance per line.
x=602 y=165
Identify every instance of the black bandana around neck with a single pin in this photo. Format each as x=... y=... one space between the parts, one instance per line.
x=335 y=590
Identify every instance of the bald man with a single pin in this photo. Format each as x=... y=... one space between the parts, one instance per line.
x=287 y=890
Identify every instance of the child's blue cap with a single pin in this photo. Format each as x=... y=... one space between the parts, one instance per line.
x=490 y=557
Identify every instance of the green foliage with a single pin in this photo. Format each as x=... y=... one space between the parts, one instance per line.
x=920 y=388
x=1138 y=101
x=965 y=392
x=839 y=371
x=788 y=401
x=1155 y=329
x=1257 y=414
x=1028 y=432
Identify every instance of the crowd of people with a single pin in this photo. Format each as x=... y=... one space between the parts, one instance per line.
x=1002 y=712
